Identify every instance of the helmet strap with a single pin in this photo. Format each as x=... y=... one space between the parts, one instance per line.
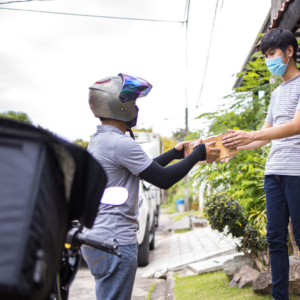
x=132 y=123
x=131 y=133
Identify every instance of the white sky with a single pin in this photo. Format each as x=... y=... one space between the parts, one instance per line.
x=47 y=62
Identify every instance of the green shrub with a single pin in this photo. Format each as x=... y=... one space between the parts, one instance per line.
x=226 y=215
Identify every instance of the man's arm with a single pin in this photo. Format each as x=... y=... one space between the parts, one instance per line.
x=257 y=144
x=252 y=145
x=241 y=138
x=281 y=131
x=165 y=177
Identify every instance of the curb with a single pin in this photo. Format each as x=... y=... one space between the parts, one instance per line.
x=170 y=283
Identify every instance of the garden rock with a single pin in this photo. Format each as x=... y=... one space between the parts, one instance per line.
x=246 y=276
x=294 y=275
x=233 y=266
x=263 y=282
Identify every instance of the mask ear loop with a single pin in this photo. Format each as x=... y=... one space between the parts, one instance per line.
x=288 y=59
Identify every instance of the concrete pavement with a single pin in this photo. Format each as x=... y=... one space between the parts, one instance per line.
x=83 y=287
x=179 y=250
x=173 y=252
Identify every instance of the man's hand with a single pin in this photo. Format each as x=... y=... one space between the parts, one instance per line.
x=184 y=144
x=237 y=138
x=212 y=154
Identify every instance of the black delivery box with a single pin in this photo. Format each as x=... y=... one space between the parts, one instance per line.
x=44 y=183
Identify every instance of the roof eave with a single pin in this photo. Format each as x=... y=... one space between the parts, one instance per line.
x=263 y=29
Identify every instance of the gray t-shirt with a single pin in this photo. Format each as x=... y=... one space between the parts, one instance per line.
x=121 y=158
x=284 y=158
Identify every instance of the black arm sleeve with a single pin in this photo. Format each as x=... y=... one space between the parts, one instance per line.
x=170 y=155
x=164 y=178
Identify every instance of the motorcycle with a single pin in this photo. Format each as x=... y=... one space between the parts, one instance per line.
x=46 y=183
x=71 y=259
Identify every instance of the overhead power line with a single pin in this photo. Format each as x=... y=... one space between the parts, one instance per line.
x=222 y=4
x=92 y=16
x=208 y=52
x=9 y=2
x=187 y=14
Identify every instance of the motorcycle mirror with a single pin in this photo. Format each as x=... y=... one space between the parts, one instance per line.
x=114 y=196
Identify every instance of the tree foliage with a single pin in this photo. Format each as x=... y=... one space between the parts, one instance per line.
x=243 y=176
x=81 y=143
x=134 y=129
x=180 y=134
x=17 y=116
x=168 y=143
x=21 y=117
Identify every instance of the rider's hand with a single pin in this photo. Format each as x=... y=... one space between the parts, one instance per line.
x=212 y=154
x=184 y=144
x=197 y=142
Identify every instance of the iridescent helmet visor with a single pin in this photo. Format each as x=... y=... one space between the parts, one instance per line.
x=133 y=88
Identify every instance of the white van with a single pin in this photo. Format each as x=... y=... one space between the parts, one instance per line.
x=149 y=199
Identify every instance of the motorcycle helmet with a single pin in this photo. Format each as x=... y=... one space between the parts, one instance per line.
x=114 y=98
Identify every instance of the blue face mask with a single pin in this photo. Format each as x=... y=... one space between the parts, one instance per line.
x=276 y=65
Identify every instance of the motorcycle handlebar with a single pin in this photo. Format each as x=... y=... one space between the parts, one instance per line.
x=75 y=237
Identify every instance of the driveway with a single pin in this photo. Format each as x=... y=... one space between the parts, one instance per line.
x=196 y=250
x=83 y=287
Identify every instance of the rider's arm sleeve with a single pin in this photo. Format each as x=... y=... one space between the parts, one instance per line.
x=170 y=155
x=164 y=178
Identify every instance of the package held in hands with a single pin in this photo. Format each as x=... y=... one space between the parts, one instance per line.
x=225 y=151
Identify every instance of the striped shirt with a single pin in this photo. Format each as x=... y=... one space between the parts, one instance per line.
x=284 y=158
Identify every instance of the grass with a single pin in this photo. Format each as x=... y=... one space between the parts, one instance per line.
x=180 y=216
x=182 y=230
x=171 y=207
x=214 y=286
x=150 y=291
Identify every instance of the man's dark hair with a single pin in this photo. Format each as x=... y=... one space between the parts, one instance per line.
x=279 y=38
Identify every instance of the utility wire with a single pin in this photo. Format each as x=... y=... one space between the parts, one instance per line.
x=92 y=16
x=208 y=53
x=222 y=5
x=9 y=2
x=187 y=12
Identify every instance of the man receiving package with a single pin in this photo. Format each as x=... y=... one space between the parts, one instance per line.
x=282 y=171
x=113 y=100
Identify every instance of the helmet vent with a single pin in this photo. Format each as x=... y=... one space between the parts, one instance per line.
x=123 y=97
x=101 y=82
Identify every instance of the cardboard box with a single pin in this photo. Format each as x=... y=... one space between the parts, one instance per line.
x=225 y=151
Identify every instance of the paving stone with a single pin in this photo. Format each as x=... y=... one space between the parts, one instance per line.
x=183 y=223
x=210 y=265
x=185 y=272
x=189 y=247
